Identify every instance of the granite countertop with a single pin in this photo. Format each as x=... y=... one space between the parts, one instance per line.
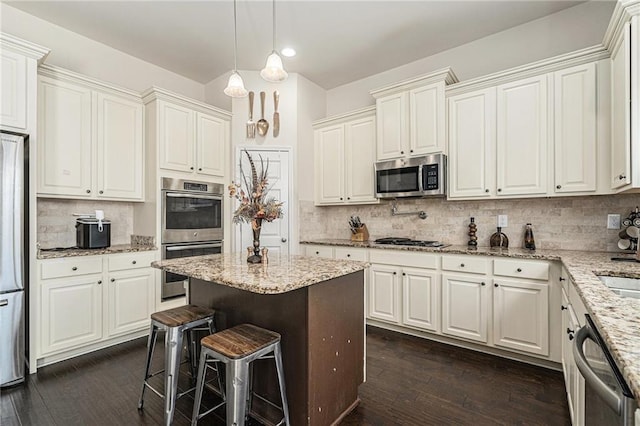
x=72 y=252
x=280 y=275
x=617 y=318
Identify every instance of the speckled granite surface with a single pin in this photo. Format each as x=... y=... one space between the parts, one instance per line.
x=280 y=275
x=617 y=318
x=118 y=248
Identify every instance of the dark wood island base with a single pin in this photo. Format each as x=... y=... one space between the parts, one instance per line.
x=322 y=328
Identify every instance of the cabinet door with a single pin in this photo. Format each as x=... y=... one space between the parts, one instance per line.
x=521 y=316
x=472 y=141
x=522 y=137
x=426 y=119
x=393 y=127
x=211 y=140
x=65 y=141
x=575 y=129
x=120 y=147
x=421 y=301
x=384 y=293
x=71 y=313
x=176 y=136
x=13 y=90
x=621 y=111
x=329 y=164
x=131 y=300
x=465 y=307
x=360 y=154
x=567 y=355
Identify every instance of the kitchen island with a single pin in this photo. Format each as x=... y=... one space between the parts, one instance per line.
x=317 y=305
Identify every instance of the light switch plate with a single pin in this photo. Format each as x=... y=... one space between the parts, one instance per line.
x=502 y=220
x=613 y=221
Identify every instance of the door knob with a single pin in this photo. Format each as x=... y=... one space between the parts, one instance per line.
x=284 y=240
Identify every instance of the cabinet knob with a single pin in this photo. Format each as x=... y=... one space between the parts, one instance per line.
x=348 y=198
x=199 y=169
x=563 y=308
x=411 y=151
x=348 y=255
x=558 y=186
x=499 y=189
x=101 y=192
x=622 y=177
x=482 y=284
x=519 y=270
x=99 y=282
x=462 y=265
x=571 y=336
x=395 y=273
x=402 y=152
x=562 y=279
x=75 y=268
x=486 y=190
x=191 y=168
x=113 y=280
x=88 y=191
x=495 y=285
x=317 y=252
x=404 y=274
x=283 y=239
x=134 y=262
x=340 y=198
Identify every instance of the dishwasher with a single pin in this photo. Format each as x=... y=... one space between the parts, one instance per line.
x=608 y=399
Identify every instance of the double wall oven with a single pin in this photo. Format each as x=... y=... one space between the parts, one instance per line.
x=191 y=225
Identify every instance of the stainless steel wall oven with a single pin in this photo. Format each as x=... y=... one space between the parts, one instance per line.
x=192 y=225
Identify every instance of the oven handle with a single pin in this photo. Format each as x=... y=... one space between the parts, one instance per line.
x=612 y=399
x=198 y=196
x=196 y=246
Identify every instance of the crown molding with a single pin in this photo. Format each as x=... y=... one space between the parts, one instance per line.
x=347 y=116
x=445 y=74
x=156 y=93
x=64 y=74
x=26 y=48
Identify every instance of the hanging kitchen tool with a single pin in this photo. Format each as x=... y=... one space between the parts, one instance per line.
x=251 y=125
x=276 y=114
x=263 y=125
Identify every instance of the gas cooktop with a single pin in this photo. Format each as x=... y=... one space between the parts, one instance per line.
x=409 y=242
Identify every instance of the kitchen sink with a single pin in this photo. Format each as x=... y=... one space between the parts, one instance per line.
x=625 y=287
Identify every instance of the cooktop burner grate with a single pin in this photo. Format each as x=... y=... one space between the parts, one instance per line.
x=409 y=242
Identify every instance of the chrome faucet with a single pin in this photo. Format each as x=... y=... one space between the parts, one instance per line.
x=394 y=211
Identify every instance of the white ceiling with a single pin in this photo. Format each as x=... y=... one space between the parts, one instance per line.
x=337 y=41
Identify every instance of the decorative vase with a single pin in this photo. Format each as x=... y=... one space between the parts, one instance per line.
x=256 y=227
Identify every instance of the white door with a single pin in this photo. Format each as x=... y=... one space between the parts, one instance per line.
x=392 y=125
x=131 y=300
x=426 y=119
x=177 y=139
x=384 y=293
x=274 y=235
x=211 y=139
x=329 y=164
x=360 y=153
x=621 y=112
x=465 y=307
x=13 y=90
x=421 y=299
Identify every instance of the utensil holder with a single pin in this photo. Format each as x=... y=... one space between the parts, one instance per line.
x=362 y=234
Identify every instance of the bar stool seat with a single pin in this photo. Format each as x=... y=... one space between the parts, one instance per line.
x=176 y=322
x=237 y=348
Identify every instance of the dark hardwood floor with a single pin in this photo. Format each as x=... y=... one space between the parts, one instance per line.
x=410 y=381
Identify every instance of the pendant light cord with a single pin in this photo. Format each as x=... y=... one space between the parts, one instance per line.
x=235 y=38
x=274 y=24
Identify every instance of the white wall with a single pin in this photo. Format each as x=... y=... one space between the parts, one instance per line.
x=83 y=55
x=568 y=30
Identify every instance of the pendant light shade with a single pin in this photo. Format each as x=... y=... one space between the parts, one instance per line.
x=235 y=86
x=273 y=71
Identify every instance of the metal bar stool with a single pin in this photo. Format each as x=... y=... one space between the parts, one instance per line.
x=175 y=322
x=237 y=348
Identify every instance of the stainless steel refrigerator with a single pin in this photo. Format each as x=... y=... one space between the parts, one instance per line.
x=12 y=259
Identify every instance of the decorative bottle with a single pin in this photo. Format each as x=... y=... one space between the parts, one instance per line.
x=473 y=239
x=498 y=239
x=529 y=242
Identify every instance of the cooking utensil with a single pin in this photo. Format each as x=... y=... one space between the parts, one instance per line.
x=276 y=114
x=251 y=125
x=263 y=125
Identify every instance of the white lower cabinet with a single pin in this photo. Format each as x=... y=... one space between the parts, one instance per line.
x=574 y=382
x=421 y=299
x=465 y=306
x=384 y=293
x=91 y=300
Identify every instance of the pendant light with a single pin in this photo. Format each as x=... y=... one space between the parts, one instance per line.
x=273 y=71
x=235 y=86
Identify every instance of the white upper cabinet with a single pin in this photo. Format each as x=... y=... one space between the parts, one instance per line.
x=191 y=138
x=411 y=116
x=575 y=129
x=344 y=156
x=90 y=139
x=472 y=136
x=522 y=137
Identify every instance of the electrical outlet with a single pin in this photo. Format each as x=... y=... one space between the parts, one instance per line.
x=613 y=221
x=502 y=220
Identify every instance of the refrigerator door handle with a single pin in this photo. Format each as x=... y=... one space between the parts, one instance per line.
x=4 y=302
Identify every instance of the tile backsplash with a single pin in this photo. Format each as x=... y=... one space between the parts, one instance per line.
x=56 y=223
x=568 y=223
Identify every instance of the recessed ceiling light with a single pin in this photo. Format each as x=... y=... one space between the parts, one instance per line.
x=288 y=52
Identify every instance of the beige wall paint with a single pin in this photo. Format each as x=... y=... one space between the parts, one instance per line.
x=569 y=223
x=77 y=53
x=568 y=30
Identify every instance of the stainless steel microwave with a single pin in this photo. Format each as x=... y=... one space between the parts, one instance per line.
x=412 y=177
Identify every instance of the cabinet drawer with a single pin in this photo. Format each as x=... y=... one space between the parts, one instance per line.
x=521 y=269
x=319 y=251
x=474 y=265
x=350 y=253
x=70 y=266
x=404 y=258
x=119 y=262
